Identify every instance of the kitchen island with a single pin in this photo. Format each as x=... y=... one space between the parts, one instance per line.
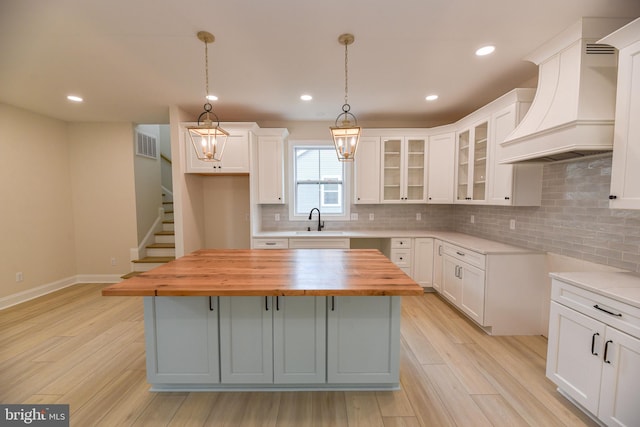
x=306 y=319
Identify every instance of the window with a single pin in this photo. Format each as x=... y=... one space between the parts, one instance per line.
x=318 y=181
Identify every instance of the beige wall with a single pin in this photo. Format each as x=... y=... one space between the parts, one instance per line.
x=226 y=212
x=35 y=192
x=104 y=206
x=148 y=186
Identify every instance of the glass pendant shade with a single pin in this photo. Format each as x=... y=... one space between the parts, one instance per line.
x=346 y=138
x=208 y=141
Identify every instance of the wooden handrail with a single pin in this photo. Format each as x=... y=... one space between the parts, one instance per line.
x=165 y=158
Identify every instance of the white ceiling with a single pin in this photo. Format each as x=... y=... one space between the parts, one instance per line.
x=131 y=60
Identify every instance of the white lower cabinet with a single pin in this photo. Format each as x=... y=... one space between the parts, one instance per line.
x=277 y=340
x=363 y=340
x=183 y=338
x=502 y=291
x=423 y=261
x=594 y=363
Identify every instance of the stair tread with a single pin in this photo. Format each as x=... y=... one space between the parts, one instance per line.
x=165 y=233
x=131 y=274
x=154 y=259
x=162 y=245
x=168 y=222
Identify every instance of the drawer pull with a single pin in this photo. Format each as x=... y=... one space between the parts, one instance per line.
x=333 y=303
x=593 y=343
x=607 y=311
x=460 y=253
x=606 y=350
x=270 y=243
x=277 y=303
x=210 y=303
x=266 y=303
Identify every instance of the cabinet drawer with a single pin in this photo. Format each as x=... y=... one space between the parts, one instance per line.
x=319 y=243
x=397 y=243
x=465 y=255
x=620 y=315
x=270 y=243
x=401 y=257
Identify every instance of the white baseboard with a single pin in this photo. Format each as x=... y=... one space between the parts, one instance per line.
x=39 y=291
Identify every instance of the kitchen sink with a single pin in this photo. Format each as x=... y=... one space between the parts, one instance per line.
x=319 y=233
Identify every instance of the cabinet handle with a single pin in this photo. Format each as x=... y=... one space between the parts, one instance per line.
x=211 y=304
x=266 y=303
x=333 y=303
x=460 y=253
x=270 y=244
x=439 y=250
x=593 y=343
x=612 y=197
x=277 y=303
x=506 y=198
x=607 y=311
x=401 y=258
x=606 y=350
x=460 y=273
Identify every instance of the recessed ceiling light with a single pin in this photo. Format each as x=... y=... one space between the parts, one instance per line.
x=485 y=50
x=74 y=98
x=212 y=97
x=306 y=97
x=431 y=97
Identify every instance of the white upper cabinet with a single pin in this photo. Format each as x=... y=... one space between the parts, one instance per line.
x=270 y=163
x=441 y=168
x=366 y=181
x=471 y=163
x=235 y=158
x=404 y=164
x=625 y=168
x=511 y=185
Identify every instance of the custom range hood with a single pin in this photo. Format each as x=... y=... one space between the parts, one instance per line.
x=572 y=113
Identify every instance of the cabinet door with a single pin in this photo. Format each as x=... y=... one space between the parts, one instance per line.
x=246 y=341
x=423 y=262
x=480 y=153
x=500 y=191
x=463 y=156
x=574 y=355
x=363 y=339
x=472 y=291
x=620 y=380
x=625 y=166
x=182 y=340
x=415 y=168
x=366 y=180
x=437 y=265
x=392 y=177
x=441 y=168
x=451 y=283
x=299 y=340
x=270 y=170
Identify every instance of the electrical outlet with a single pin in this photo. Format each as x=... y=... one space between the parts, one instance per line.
x=418 y=216
x=277 y=217
x=473 y=219
x=354 y=216
x=512 y=224
x=113 y=261
x=19 y=276
x=371 y=217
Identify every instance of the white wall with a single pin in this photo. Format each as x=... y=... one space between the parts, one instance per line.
x=148 y=185
x=35 y=195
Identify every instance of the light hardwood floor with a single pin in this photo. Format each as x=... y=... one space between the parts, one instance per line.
x=77 y=347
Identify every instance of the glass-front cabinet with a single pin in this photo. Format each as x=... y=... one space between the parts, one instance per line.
x=403 y=170
x=471 y=174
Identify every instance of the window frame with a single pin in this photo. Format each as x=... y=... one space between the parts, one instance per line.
x=291 y=181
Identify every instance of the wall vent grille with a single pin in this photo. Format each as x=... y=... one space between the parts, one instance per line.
x=599 y=49
x=146 y=146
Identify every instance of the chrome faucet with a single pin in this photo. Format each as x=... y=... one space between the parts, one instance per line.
x=320 y=223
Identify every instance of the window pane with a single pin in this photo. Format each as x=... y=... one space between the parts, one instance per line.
x=318 y=181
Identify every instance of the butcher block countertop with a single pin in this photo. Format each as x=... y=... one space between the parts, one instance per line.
x=276 y=272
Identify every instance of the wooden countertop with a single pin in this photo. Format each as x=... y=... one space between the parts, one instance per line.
x=273 y=272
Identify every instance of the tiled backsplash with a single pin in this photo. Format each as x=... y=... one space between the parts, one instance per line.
x=574 y=219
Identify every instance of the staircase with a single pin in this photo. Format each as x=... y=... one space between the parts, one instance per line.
x=162 y=250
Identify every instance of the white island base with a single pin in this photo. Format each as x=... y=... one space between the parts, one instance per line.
x=258 y=343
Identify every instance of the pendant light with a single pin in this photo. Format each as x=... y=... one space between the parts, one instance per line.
x=346 y=132
x=208 y=140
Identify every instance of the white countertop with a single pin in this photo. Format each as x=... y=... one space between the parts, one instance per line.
x=465 y=241
x=622 y=286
